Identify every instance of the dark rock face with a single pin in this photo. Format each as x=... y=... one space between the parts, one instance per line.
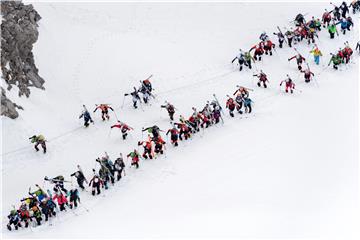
x=18 y=34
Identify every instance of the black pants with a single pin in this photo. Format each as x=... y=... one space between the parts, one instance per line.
x=97 y=188
x=332 y=35
x=119 y=172
x=80 y=182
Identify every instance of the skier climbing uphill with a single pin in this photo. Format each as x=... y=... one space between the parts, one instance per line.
x=39 y=140
x=104 y=111
x=262 y=79
x=289 y=84
x=123 y=127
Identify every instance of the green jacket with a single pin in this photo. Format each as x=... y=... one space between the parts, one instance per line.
x=336 y=60
x=332 y=29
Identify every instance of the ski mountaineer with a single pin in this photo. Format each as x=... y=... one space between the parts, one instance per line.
x=358 y=46
x=119 y=167
x=39 y=193
x=332 y=30
x=336 y=60
x=48 y=207
x=36 y=213
x=289 y=84
x=154 y=130
x=159 y=145
x=59 y=183
x=243 y=91
x=184 y=130
x=344 y=9
x=307 y=74
x=80 y=178
x=326 y=18
x=299 y=60
x=135 y=157
x=148 y=149
x=135 y=97
x=345 y=25
x=262 y=79
x=299 y=20
x=14 y=219
x=123 y=127
x=170 y=109
x=268 y=46
x=104 y=110
x=74 y=198
x=336 y=12
x=259 y=51
x=241 y=59
x=248 y=59
x=281 y=38
x=230 y=104
x=86 y=115
x=347 y=52
x=61 y=200
x=39 y=140
x=247 y=104
x=95 y=183
x=355 y=4
x=239 y=103
x=205 y=118
x=290 y=36
x=106 y=171
x=24 y=214
x=317 y=54
x=263 y=36
x=174 y=136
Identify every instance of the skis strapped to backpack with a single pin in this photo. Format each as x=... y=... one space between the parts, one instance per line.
x=218 y=103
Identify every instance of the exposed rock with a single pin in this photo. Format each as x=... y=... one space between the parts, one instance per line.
x=8 y=108
x=18 y=34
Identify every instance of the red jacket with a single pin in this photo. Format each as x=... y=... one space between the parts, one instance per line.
x=61 y=199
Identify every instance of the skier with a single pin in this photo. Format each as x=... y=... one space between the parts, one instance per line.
x=332 y=30
x=347 y=52
x=106 y=171
x=119 y=166
x=230 y=104
x=86 y=115
x=344 y=9
x=48 y=208
x=24 y=214
x=104 y=110
x=170 y=109
x=289 y=84
x=159 y=145
x=148 y=149
x=263 y=37
x=39 y=140
x=241 y=59
x=299 y=60
x=343 y=25
x=174 y=135
x=59 y=183
x=247 y=104
x=248 y=58
x=336 y=60
x=307 y=74
x=350 y=23
x=355 y=6
x=336 y=12
x=259 y=51
x=268 y=46
x=317 y=54
x=358 y=45
x=36 y=213
x=262 y=79
x=184 y=130
x=95 y=183
x=39 y=193
x=135 y=156
x=61 y=200
x=135 y=97
x=326 y=18
x=299 y=20
x=123 y=127
x=290 y=36
x=14 y=219
x=205 y=118
x=74 y=198
x=154 y=130
x=80 y=178
x=281 y=38
x=242 y=90
x=239 y=103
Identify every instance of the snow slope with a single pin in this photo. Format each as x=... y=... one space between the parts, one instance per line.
x=288 y=170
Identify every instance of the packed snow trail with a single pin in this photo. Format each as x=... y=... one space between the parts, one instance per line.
x=191 y=161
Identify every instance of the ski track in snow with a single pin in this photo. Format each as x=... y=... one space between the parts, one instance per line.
x=67 y=147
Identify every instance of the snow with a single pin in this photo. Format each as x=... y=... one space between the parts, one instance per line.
x=290 y=169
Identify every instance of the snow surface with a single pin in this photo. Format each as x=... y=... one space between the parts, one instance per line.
x=290 y=169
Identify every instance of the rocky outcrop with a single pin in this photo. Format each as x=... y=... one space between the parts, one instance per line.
x=8 y=108
x=18 y=34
